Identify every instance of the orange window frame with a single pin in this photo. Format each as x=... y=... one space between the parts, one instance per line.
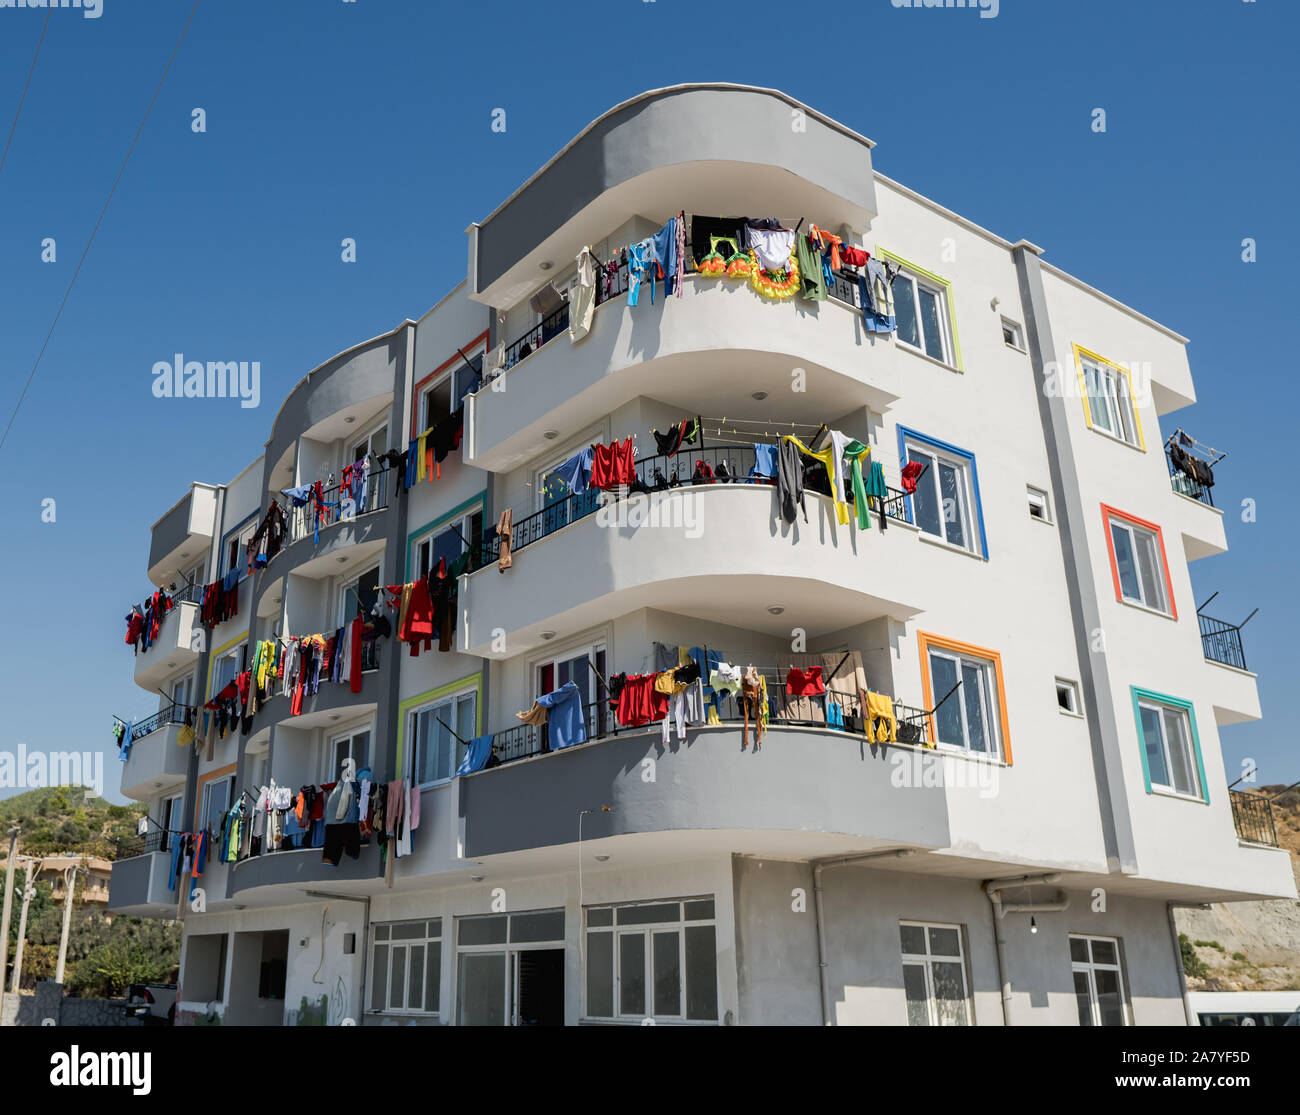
x=220 y=772
x=926 y=640
x=418 y=390
x=1107 y=512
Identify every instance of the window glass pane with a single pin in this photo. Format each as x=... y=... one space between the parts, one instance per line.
x=972 y=692
x=1103 y=952
x=954 y=504
x=423 y=767
x=1123 y=404
x=379 y=980
x=600 y=975
x=905 y=311
x=441 y=741
x=435 y=927
x=701 y=973
x=547 y=926
x=930 y=328
x=361 y=749
x=1154 y=746
x=1078 y=950
x=483 y=931
x=1083 y=998
x=603 y=916
x=631 y=973
x=397 y=982
x=699 y=910
x=925 y=502
x=1108 y=997
x=409 y=931
x=1125 y=563
x=481 y=989
x=1149 y=569
x=415 y=978
x=949 y=993
x=433 y=976
x=945 y=942
x=645 y=915
x=943 y=676
x=1180 y=752
x=913 y=939
x=918 y=1012
x=667 y=973
x=466 y=725
x=1097 y=406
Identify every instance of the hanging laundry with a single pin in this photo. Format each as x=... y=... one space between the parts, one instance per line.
x=505 y=531
x=812 y=280
x=789 y=481
x=576 y=471
x=566 y=721
x=640 y=265
x=582 y=296
x=476 y=756
x=909 y=476
x=612 y=465
x=827 y=244
x=772 y=244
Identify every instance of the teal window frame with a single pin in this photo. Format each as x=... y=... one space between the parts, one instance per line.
x=1150 y=695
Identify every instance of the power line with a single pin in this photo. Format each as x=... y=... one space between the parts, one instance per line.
x=72 y=282
x=48 y=12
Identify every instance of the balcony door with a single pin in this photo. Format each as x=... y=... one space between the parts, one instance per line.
x=577 y=667
x=558 y=502
x=510 y=970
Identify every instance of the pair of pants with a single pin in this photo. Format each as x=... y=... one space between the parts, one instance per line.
x=341 y=838
x=751 y=704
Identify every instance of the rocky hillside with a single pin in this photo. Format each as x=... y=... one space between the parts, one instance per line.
x=67 y=819
x=1250 y=946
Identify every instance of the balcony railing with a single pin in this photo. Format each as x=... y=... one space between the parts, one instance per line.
x=173 y=715
x=303 y=522
x=525 y=740
x=1252 y=817
x=1221 y=642
x=153 y=841
x=557 y=321
x=659 y=472
x=1188 y=486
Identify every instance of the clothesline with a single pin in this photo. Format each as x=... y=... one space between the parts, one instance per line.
x=1188 y=442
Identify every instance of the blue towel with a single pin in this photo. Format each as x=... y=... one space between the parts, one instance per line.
x=480 y=747
x=300 y=495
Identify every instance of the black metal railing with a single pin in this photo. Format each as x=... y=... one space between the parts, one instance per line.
x=152 y=841
x=1221 y=641
x=190 y=594
x=1187 y=485
x=174 y=715
x=303 y=520
x=1252 y=817
x=723 y=465
x=607 y=286
x=526 y=740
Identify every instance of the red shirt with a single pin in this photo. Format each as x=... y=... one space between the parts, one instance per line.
x=612 y=464
x=799 y=683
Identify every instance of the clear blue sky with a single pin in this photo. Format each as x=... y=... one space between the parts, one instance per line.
x=330 y=119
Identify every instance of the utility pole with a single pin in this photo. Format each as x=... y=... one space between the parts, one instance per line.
x=69 y=883
x=28 y=891
x=10 y=865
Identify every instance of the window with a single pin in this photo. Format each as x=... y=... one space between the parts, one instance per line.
x=214 y=801
x=375 y=442
x=406 y=966
x=576 y=666
x=653 y=960
x=171 y=819
x=510 y=969
x=447 y=391
x=556 y=498
x=182 y=691
x=946 y=503
x=449 y=543
x=1098 y=983
x=1108 y=398
x=1137 y=562
x=1012 y=335
x=1171 y=748
x=358 y=596
x=224 y=671
x=1067 y=697
x=194 y=576
x=934 y=974
x=236 y=541
x=436 y=752
x=921 y=311
x=965 y=683
x=354 y=745
x=1038 y=505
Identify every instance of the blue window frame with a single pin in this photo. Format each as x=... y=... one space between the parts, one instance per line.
x=1170 y=745
x=947 y=499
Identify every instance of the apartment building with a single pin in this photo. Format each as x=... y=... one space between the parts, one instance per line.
x=1008 y=851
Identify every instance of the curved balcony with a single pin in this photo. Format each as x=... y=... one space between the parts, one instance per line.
x=710 y=147
x=300 y=867
x=718 y=343
x=138 y=885
x=716 y=551
x=818 y=782
x=353 y=384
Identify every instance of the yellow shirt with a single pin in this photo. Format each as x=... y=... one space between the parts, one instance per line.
x=827 y=458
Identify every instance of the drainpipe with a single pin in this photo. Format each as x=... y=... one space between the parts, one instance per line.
x=1192 y=1019
x=818 y=867
x=992 y=889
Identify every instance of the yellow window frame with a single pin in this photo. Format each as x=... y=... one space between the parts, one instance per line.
x=1079 y=355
